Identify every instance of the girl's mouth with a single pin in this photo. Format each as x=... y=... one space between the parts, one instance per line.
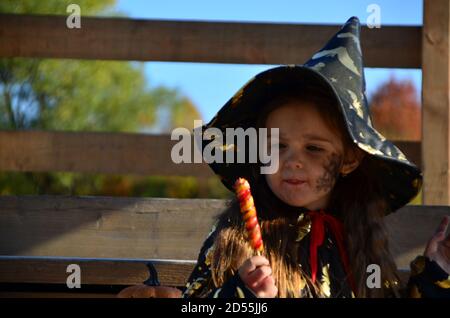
x=294 y=181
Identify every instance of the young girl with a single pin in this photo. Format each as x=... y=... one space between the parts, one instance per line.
x=321 y=213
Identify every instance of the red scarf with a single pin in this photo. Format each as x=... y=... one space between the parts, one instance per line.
x=318 y=221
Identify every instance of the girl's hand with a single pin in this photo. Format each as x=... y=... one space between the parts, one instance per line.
x=438 y=247
x=256 y=273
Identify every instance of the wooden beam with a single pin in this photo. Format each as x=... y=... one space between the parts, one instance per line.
x=87 y=152
x=195 y=41
x=436 y=102
x=110 y=153
x=106 y=227
x=53 y=270
x=33 y=274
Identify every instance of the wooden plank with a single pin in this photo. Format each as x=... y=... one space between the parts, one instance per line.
x=42 y=271
x=196 y=41
x=95 y=152
x=436 y=102
x=51 y=270
x=105 y=227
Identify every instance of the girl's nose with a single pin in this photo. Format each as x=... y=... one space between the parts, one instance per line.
x=298 y=165
x=295 y=162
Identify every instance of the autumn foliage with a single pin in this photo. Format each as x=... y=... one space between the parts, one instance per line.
x=396 y=110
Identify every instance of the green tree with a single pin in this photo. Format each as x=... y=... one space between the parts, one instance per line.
x=57 y=94
x=74 y=95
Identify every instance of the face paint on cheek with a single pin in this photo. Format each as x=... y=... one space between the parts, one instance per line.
x=331 y=172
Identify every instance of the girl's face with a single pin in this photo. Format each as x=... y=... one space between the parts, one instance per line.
x=310 y=156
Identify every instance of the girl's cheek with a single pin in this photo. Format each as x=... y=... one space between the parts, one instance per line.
x=329 y=173
x=314 y=162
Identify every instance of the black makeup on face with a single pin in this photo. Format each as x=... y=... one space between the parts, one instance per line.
x=331 y=172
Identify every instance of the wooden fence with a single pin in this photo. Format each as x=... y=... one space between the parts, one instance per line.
x=113 y=238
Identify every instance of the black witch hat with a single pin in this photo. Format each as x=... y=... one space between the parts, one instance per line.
x=339 y=67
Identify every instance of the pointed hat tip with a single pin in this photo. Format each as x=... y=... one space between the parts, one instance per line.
x=351 y=24
x=353 y=19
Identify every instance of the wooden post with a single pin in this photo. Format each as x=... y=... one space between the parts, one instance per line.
x=436 y=102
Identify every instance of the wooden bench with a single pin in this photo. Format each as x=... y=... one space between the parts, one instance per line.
x=112 y=239
x=31 y=276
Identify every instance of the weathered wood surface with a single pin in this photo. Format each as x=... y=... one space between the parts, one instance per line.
x=196 y=41
x=94 y=152
x=53 y=270
x=436 y=102
x=46 y=277
x=107 y=227
x=115 y=153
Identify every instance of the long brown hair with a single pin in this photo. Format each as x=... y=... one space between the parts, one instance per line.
x=361 y=208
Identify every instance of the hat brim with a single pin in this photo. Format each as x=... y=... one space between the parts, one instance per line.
x=402 y=179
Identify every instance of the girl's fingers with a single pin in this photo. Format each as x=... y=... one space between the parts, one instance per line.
x=250 y=266
x=442 y=228
x=446 y=242
x=267 y=288
x=259 y=260
x=438 y=237
x=252 y=263
x=267 y=282
x=258 y=275
x=440 y=232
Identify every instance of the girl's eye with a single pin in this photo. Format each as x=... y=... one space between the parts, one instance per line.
x=314 y=148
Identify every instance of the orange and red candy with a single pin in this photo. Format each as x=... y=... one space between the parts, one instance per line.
x=248 y=210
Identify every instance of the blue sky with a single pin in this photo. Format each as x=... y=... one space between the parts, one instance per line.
x=209 y=86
